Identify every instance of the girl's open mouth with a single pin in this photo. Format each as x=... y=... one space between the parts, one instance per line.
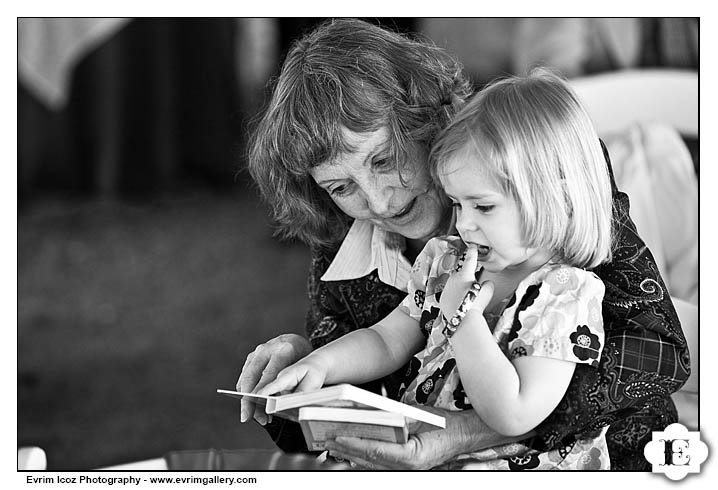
x=484 y=251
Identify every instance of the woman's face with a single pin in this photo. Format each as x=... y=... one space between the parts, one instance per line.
x=366 y=185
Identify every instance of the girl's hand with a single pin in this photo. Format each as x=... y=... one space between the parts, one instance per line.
x=459 y=283
x=306 y=375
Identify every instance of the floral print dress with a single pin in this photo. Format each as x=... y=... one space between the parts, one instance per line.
x=555 y=312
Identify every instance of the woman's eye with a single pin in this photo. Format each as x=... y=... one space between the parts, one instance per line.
x=339 y=191
x=381 y=163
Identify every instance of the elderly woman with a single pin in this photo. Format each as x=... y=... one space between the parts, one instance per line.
x=341 y=156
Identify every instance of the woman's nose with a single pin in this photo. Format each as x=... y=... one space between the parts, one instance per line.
x=378 y=200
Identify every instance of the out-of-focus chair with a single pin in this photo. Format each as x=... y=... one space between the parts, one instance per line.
x=642 y=115
x=616 y=100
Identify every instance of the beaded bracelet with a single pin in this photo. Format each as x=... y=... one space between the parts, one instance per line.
x=453 y=323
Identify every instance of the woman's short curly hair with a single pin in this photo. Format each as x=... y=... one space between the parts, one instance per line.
x=350 y=74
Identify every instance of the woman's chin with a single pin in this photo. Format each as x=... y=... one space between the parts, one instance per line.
x=425 y=220
x=422 y=228
x=422 y=231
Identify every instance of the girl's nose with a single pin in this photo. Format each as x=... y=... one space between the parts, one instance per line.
x=464 y=224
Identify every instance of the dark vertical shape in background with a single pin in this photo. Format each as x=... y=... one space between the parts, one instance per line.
x=155 y=108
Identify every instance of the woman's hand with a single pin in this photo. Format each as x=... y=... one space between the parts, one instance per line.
x=465 y=432
x=263 y=365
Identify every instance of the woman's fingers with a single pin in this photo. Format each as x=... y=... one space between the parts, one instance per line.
x=248 y=378
x=375 y=455
x=271 y=357
x=360 y=453
x=262 y=366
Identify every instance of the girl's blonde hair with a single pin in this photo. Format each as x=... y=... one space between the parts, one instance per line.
x=534 y=137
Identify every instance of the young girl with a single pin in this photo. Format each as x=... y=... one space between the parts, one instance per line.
x=497 y=319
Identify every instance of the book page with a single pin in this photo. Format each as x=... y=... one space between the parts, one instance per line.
x=342 y=395
x=262 y=400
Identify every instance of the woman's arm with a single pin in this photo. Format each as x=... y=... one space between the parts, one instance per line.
x=357 y=357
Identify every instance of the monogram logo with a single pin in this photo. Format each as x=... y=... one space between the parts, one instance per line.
x=676 y=452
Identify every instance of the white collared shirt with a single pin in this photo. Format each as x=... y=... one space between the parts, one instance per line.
x=366 y=248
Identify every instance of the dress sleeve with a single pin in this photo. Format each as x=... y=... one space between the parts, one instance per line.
x=564 y=321
x=418 y=282
x=645 y=358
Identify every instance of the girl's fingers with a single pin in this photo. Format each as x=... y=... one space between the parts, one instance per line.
x=471 y=262
x=286 y=381
x=311 y=381
x=271 y=372
x=276 y=386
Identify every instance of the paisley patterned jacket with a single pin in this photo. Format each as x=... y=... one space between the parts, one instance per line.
x=645 y=358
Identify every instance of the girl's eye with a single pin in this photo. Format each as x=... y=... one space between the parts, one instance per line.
x=484 y=209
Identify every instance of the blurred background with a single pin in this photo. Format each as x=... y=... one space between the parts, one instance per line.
x=147 y=270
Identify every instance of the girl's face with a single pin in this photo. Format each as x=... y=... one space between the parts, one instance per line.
x=488 y=218
x=366 y=185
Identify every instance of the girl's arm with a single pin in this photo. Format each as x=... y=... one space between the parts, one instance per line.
x=512 y=397
x=357 y=357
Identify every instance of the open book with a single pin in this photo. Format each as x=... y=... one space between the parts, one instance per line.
x=343 y=410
